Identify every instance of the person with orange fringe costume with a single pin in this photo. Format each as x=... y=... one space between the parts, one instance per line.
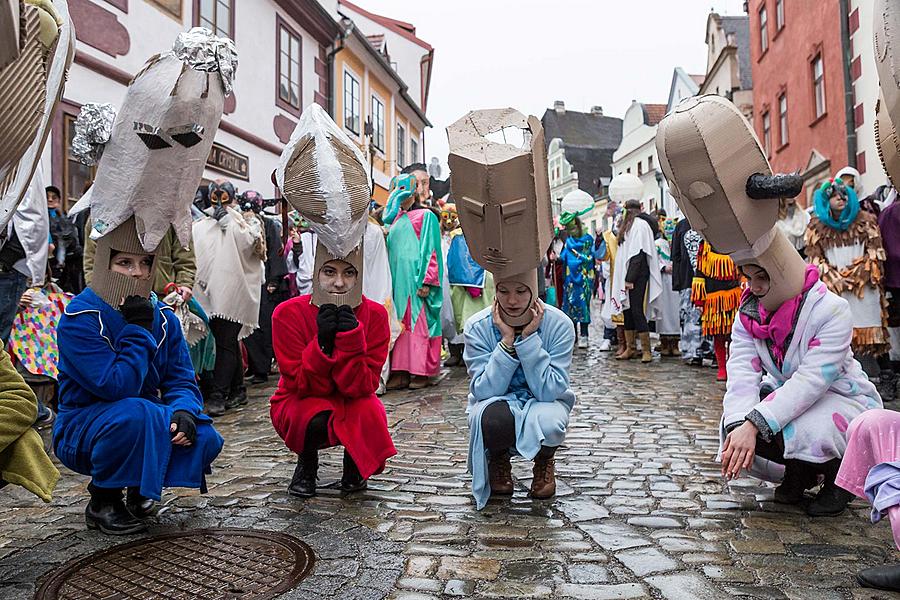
x=716 y=289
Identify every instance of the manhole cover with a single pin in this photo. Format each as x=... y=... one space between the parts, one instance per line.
x=207 y=564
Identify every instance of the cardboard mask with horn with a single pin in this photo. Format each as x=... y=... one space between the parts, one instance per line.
x=720 y=177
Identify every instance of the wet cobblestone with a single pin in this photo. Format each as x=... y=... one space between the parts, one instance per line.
x=641 y=512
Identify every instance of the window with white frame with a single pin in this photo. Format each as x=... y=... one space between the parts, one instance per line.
x=216 y=15
x=763 y=29
x=783 y=119
x=413 y=150
x=818 y=73
x=779 y=15
x=351 y=103
x=289 y=67
x=401 y=146
x=767 y=133
x=378 y=123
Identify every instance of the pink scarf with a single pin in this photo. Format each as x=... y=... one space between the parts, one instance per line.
x=779 y=325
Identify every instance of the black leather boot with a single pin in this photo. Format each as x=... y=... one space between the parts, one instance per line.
x=303 y=483
x=236 y=398
x=456 y=354
x=799 y=476
x=139 y=506
x=214 y=405
x=107 y=512
x=351 y=480
x=831 y=500
x=885 y=577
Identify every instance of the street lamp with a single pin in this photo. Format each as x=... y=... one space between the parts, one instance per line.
x=659 y=182
x=369 y=132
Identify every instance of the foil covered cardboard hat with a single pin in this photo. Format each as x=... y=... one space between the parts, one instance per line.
x=37 y=45
x=502 y=193
x=322 y=174
x=160 y=140
x=721 y=179
x=886 y=28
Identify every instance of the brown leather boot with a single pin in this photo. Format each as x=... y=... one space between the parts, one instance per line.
x=544 y=483
x=646 y=352
x=500 y=474
x=628 y=350
x=673 y=345
x=620 y=339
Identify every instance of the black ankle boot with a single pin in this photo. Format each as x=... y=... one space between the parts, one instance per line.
x=139 y=506
x=214 y=405
x=456 y=353
x=107 y=512
x=351 y=480
x=831 y=500
x=885 y=577
x=798 y=477
x=237 y=398
x=303 y=483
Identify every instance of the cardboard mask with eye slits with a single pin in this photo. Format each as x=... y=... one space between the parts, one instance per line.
x=886 y=28
x=721 y=179
x=161 y=139
x=37 y=45
x=502 y=192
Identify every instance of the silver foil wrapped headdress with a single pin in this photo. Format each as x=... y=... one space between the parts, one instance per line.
x=200 y=49
x=93 y=128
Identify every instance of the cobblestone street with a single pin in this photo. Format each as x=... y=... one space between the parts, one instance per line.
x=641 y=511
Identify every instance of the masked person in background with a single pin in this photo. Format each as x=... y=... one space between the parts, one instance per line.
x=331 y=345
x=417 y=268
x=230 y=253
x=138 y=385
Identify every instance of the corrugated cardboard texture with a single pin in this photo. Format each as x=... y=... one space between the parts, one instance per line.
x=9 y=31
x=351 y=298
x=501 y=192
x=23 y=88
x=156 y=185
x=887 y=53
x=707 y=151
x=113 y=287
x=887 y=142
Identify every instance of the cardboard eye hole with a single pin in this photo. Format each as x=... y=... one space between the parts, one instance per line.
x=151 y=136
x=187 y=135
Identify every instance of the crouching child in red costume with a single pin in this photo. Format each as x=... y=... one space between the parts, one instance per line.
x=330 y=345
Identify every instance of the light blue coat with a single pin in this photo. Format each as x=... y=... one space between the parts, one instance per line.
x=535 y=384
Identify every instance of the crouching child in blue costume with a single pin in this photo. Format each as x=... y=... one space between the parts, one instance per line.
x=130 y=412
x=519 y=350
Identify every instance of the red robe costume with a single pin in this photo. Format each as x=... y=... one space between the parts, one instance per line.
x=344 y=383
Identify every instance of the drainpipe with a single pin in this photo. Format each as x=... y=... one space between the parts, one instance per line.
x=849 y=112
x=346 y=29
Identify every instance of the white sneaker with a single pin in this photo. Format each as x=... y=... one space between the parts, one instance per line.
x=582 y=342
x=604 y=345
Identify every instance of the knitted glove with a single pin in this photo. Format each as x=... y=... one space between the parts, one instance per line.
x=327 y=323
x=138 y=310
x=184 y=423
x=346 y=320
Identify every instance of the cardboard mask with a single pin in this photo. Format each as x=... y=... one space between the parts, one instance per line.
x=887 y=141
x=37 y=45
x=503 y=196
x=161 y=140
x=322 y=174
x=721 y=179
x=886 y=29
x=114 y=287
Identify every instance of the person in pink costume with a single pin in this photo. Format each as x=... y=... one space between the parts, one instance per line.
x=871 y=470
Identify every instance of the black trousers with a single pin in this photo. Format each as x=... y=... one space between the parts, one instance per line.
x=635 y=319
x=228 y=374
x=259 y=343
x=498 y=427
x=774 y=450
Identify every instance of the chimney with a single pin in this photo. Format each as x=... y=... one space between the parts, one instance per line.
x=597 y=110
x=559 y=106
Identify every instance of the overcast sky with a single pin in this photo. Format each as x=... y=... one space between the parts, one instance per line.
x=528 y=53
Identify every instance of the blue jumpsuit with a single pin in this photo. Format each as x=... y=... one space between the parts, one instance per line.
x=118 y=387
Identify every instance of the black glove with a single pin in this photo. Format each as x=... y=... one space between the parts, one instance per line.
x=184 y=423
x=138 y=310
x=219 y=212
x=346 y=320
x=326 y=321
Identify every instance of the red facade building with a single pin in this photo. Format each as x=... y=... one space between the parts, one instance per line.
x=799 y=106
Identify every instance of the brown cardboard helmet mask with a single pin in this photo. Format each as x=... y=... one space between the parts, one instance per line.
x=502 y=194
x=37 y=45
x=887 y=109
x=721 y=179
x=113 y=287
x=353 y=296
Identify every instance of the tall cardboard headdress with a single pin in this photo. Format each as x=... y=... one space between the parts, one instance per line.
x=37 y=45
x=503 y=196
x=322 y=174
x=721 y=179
x=887 y=63
x=152 y=155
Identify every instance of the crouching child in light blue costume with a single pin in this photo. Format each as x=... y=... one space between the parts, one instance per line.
x=519 y=394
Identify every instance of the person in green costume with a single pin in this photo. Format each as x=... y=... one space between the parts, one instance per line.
x=417 y=267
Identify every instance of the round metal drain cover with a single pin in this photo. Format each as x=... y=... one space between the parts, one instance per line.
x=205 y=564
